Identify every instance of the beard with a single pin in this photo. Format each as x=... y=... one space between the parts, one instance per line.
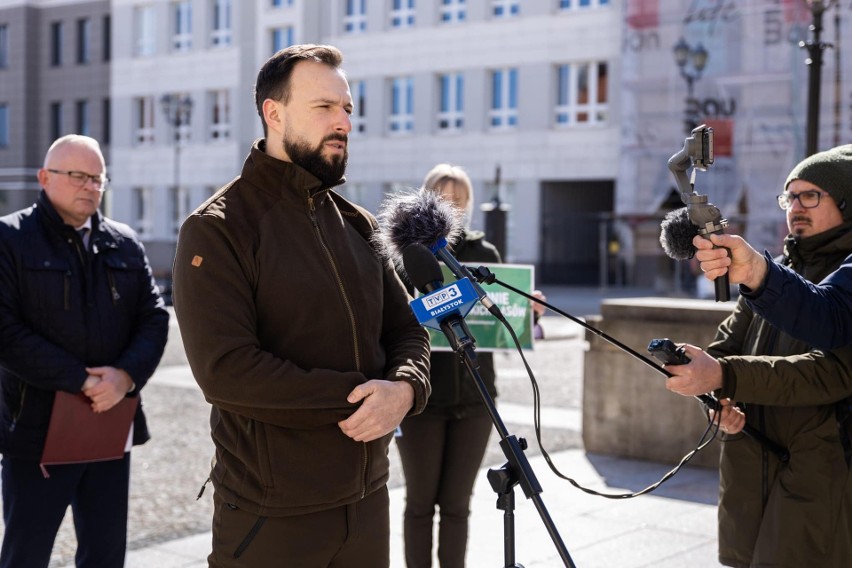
x=327 y=170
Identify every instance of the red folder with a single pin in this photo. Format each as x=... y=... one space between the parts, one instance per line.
x=76 y=434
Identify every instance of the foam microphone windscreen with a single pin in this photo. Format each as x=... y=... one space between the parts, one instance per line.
x=676 y=234
x=421 y=217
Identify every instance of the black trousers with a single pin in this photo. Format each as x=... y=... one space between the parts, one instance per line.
x=441 y=454
x=350 y=536
x=34 y=506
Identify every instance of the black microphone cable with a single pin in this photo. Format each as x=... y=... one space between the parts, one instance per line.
x=485 y=276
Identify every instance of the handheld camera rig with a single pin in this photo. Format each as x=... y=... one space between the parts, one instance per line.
x=698 y=152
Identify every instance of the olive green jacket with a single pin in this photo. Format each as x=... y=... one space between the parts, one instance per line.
x=799 y=513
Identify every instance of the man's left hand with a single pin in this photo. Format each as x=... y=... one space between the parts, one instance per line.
x=114 y=384
x=703 y=374
x=384 y=405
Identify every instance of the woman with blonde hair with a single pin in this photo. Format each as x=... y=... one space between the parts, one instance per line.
x=442 y=448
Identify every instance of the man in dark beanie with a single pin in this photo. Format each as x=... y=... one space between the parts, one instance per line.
x=831 y=171
x=820 y=315
x=796 y=512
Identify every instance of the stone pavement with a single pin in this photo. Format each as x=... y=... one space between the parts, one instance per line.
x=673 y=527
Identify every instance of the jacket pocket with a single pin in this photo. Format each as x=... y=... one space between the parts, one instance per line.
x=46 y=285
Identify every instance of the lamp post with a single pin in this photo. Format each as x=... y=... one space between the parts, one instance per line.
x=691 y=61
x=815 y=48
x=178 y=110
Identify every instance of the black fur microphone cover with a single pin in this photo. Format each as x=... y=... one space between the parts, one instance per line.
x=677 y=234
x=419 y=216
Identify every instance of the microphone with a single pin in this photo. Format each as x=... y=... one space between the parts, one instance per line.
x=442 y=308
x=425 y=218
x=680 y=226
x=676 y=235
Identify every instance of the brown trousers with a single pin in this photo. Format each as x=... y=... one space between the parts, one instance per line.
x=350 y=536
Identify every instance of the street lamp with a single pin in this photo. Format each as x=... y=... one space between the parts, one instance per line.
x=178 y=110
x=815 y=48
x=691 y=61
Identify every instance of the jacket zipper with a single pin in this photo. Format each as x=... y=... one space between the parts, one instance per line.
x=339 y=281
x=315 y=222
x=113 y=291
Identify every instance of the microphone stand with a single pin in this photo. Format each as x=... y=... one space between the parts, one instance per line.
x=517 y=469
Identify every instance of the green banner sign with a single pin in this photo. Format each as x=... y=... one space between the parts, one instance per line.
x=490 y=334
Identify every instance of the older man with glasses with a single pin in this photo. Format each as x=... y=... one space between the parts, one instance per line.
x=796 y=512
x=79 y=313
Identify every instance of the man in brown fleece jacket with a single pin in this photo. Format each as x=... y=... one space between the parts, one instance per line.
x=299 y=335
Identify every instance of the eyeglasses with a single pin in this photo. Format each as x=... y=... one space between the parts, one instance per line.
x=808 y=199
x=79 y=179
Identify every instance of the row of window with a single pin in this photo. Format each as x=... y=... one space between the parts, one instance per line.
x=218 y=119
x=402 y=12
x=580 y=97
x=401 y=15
x=219 y=30
x=82 y=119
x=83 y=43
x=82 y=46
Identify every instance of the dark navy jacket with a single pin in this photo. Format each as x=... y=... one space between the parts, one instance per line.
x=817 y=314
x=64 y=308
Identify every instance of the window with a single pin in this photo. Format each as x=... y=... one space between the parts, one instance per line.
x=145 y=26
x=81 y=108
x=451 y=105
x=4 y=126
x=144 y=121
x=281 y=38
x=55 y=120
x=359 y=113
x=574 y=4
x=581 y=93
x=355 y=20
x=402 y=105
x=221 y=34
x=179 y=197
x=220 y=115
x=106 y=121
x=453 y=11
x=504 y=99
x=143 y=206
x=56 y=44
x=182 y=38
x=402 y=14
x=83 y=40
x=4 y=46
x=107 y=38
x=506 y=8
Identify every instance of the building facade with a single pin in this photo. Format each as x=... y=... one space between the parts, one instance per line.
x=563 y=112
x=54 y=79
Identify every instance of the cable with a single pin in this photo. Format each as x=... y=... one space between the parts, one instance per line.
x=483 y=275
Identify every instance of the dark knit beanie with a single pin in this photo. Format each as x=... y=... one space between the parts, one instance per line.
x=831 y=171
